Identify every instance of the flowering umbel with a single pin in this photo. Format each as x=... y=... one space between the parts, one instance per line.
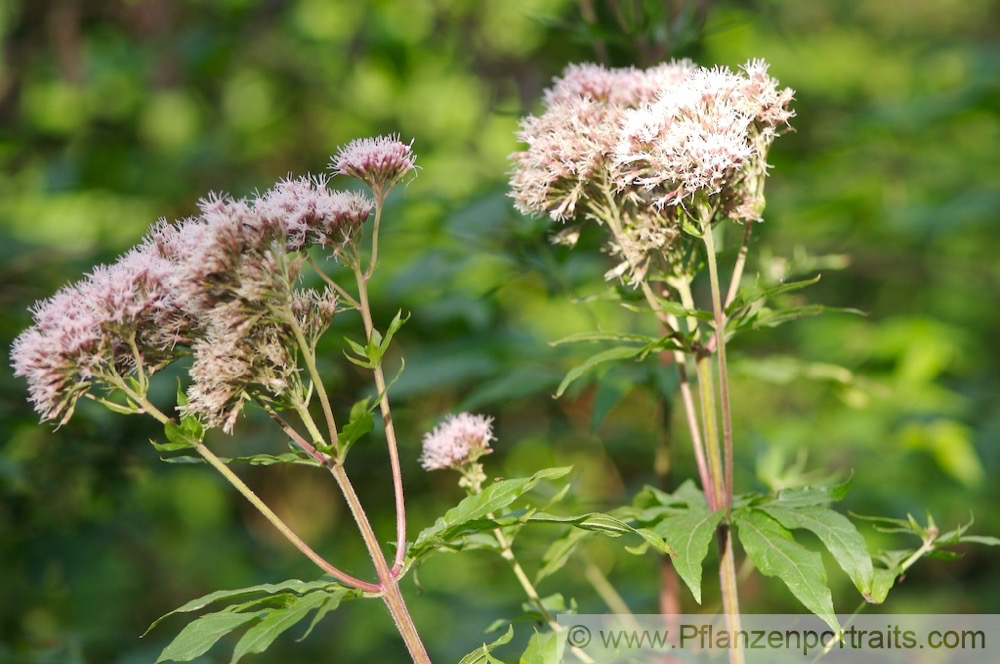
x=220 y=286
x=378 y=162
x=633 y=148
x=458 y=443
x=120 y=318
x=708 y=135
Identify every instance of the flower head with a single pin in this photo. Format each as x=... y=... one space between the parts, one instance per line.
x=459 y=440
x=567 y=156
x=221 y=283
x=619 y=86
x=120 y=319
x=378 y=162
x=570 y=151
x=310 y=213
x=708 y=134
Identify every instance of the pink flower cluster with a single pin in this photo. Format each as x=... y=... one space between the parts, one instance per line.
x=310 y=213
x=571 y=145
x=117 y=316
x=645 y=142
x=221 y=284
x=622 y=86
x=459 y=440
x=708 y=133
x=378 y=162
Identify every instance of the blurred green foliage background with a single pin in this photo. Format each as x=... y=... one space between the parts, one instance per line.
x=115 y=113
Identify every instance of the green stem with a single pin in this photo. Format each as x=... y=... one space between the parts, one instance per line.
x=529 y=589
x=706 y=392
x=344 y=295
x=730 y=594
x=394 y=601
x=741 y=259
x=373 y=259
x=137 y=357
x=607 y=592
x=388 y=579
x=720 y=333
x=727 y=560
x=390 y=429
x=280 y=525
x=255 y=500
x=310 y=360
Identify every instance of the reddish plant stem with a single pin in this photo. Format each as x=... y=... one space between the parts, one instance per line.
x=255 y=500
x=390 y=429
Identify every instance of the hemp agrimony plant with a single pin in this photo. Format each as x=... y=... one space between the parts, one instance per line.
x=223 y=289
x=222 y=293
x=668 y=161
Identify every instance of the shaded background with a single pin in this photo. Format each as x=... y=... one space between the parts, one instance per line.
x=113 y=114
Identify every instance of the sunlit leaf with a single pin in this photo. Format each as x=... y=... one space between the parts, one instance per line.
x=689 y=534
x=838 y=535
x=260 y=636
x=775 y=552
x=544 y=648
x=201 y=634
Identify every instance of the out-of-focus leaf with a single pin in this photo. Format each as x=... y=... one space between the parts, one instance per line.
x=544 y=648
x=609 y=355
x=481 y=655
x=812 y=495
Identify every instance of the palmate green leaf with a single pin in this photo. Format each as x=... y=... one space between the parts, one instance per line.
x=840 y=537
x=470 y=515
x=481 y=655
x=690 y=534
x=609 y=355
x=293 y=585
x=201 y=634
x=260 y=636
x=544 y=648
x=774 y=552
